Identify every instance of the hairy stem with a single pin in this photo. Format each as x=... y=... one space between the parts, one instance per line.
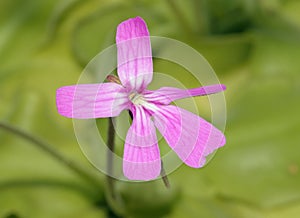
x=49 y=149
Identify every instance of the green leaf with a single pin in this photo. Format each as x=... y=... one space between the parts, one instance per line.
x=276 y=55
x=150 y=199
x=22 y=30
x=45 y=201
x=259 y=165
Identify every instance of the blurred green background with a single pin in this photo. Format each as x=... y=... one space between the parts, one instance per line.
x=254 y=47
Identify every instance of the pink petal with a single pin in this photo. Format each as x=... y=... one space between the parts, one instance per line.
x=190 y=136
x=91 y=100
x=166 y=95
x=135 y=68
x=141 y=159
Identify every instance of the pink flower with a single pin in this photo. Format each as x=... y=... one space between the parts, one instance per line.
x=190 y=136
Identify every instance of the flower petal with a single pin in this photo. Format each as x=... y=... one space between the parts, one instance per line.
x=141 y=159
x=166 y=95
x=91 y=100
x=135 y=67
x=190 y=136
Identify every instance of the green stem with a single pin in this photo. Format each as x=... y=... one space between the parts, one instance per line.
x=164 y=176
x=49 y=149
x=110 y=153
x=113 y=199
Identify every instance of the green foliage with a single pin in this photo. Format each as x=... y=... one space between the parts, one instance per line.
x=254 y=48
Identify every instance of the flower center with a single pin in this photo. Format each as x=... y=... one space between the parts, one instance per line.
x=136 y=98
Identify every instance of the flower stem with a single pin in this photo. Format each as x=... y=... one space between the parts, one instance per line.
x=49 y=149
x=113 y=199
x=164 y=176
x=111 y=146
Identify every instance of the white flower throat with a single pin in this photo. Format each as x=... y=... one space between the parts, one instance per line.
x=137 y=98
